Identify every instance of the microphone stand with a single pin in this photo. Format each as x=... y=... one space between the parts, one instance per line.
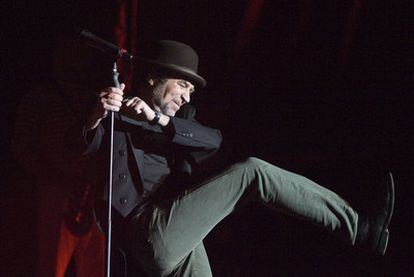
x=115 y=52
x=115 y=75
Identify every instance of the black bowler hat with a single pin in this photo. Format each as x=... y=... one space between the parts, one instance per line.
x=175 y=59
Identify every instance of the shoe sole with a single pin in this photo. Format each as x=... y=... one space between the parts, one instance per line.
x=383 y=239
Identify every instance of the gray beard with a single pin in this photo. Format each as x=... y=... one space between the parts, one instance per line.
x=158 y=92
x=167 y=111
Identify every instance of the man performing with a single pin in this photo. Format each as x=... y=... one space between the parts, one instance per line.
x=163 y=215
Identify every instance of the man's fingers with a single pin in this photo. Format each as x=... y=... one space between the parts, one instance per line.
x=110 y=107
x=114 y=96
x=135 y=103
x=132 y=102
x=114 y=90
x=111 y=99
x=113 y=102
x=139 y=106
x=129 y=102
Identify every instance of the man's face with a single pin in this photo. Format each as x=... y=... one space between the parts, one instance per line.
x=170 y=95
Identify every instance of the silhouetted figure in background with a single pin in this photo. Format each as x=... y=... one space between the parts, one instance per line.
x=64 y=192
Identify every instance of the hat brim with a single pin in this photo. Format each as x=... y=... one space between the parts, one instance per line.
x=176 y=71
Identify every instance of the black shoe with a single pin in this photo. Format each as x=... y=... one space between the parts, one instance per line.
x=372 y=232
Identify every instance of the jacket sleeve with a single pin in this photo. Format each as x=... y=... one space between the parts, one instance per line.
x=92 y=139
x=191 y=137
x=185 y=130
x=190 y=133
x=83 y=141
x=183 y=135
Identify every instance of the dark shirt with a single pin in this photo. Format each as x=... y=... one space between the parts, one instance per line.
x=156 y=171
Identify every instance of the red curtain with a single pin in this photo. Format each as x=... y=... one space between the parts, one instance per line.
x=126 y=35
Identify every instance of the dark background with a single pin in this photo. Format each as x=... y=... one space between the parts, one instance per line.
x=311 y=89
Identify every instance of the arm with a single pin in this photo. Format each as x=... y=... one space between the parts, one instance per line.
x=198 y=141
x=185 y=134
x=182 y=133
x=91 y=130
x=190 y=133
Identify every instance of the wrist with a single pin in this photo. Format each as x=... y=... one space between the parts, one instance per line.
x=164 y=120
x=156 y=118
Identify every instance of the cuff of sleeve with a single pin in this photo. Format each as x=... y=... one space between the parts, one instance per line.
x=91 y=138
x=88 y=135
x=169 y=129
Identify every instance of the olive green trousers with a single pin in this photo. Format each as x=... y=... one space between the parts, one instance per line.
x=167 y=239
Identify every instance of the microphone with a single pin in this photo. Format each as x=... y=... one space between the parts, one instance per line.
x=108 y=48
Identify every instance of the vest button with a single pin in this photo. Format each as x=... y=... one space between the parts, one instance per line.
x=123 y=200
x=122 y=152
x=122 y=176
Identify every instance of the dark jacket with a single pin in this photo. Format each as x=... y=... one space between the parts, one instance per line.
x=184 y=142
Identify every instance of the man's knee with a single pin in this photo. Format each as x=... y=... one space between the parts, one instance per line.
x=255 y=163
